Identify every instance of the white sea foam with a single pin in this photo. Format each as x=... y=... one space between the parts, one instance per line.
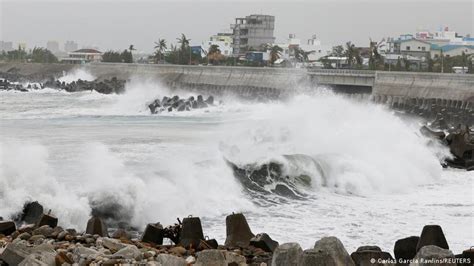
x=382 y=177
x=75 y=75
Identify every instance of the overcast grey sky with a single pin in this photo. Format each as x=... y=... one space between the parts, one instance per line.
x=116 y=24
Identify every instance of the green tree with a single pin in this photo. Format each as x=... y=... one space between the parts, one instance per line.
x=126 y=56
x=275 y=53
x=430 y=64
x=131 y=48
x=160 y=48
x=375 y=59
x=42 y=55
x=353 y=55
x=184 y=55
x=398 y=66
x=112 y=57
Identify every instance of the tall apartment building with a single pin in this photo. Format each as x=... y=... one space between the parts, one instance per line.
x=53 y=46
x=251 y=32
x=6 y=46
x=70 y=46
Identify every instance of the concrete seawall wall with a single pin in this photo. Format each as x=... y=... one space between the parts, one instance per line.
x=387 y=86
x=408 y=85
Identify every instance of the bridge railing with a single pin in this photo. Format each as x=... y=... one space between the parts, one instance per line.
x=346 y=72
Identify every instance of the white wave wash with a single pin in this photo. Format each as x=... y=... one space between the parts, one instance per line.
x=75 y=75
x=86 y=147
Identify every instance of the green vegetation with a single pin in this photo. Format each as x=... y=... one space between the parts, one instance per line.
x=37 y=55
x=117 y=57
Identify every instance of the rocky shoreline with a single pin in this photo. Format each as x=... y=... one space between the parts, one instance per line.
x=14 y=82
x=35 y=238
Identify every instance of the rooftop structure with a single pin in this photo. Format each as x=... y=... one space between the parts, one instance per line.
x=82 y=56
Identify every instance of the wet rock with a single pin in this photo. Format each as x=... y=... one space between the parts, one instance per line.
x=24 y=236
x=334 y=247
x=153 y=234
x=180 y=251
x=190 y=260
x=36 y=238
x=128 y=252
x=43 y=254
x=432 y=235
x=405 y=248
x=121 y=234
x=287 y=254
x=112 y=244
x=170 y=260
x=81 y=252
x=264 y=242
x=62 y=258
x=47 y=219
x=467 y=257
x=7 y=228
x=191 y=232
x=431 y=252
x=95 y=226
x=238 y=231
x=15 y=252
x=44 y=230
x=210 y=257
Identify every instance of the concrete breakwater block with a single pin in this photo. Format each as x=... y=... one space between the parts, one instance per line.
x=432 y=235
x=32 y=212
x=95 y=226
x=238 y=233
x=191 y=232
x=7 y=228
x=47 y=219
x=153 y=234
x=335 y=249
x=287 y=254
x=264 y=242
x=405 y=248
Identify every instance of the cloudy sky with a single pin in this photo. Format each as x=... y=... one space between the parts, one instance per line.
x=116 y=24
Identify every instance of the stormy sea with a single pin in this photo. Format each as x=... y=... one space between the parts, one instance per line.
x=315 y=164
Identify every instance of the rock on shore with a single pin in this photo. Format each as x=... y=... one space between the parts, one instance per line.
x=46 y=243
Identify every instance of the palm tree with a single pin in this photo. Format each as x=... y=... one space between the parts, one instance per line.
x=183 y=41
x=302 y=55
x=374 y=58
x=353 y=55
x=131 y=48
x=160 y=47
x=275 y=52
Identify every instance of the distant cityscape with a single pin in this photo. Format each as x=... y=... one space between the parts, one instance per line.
x=251 y=41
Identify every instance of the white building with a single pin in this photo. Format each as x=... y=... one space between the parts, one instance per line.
x=223 y=40
x=313 y=46
x=83 y=56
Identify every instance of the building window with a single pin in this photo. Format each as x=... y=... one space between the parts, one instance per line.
x=408 y=48
x=423 y=48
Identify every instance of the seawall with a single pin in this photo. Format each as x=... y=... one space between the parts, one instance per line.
x=388 y=87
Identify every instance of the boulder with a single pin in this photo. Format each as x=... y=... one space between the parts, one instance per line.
x=47 y=219
x=44 y=230
x=15 y=252
x=95 y=226
x=467 y=257
x=210 y=257
x=264 y=242
x=170 y=260
x=191 y=232
x=287 y=254
x=121 y=234
x=432 y=235
x=431 y=254
x=238 y=231
x=405 y=248
x=112 y=244
x=153 y=234
x=7 y=228
x=62 y=258
x=43 y=254
x=334 y=247
x=371 y=257
x=128 y=252
x=232 y=258
x=312 y=257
